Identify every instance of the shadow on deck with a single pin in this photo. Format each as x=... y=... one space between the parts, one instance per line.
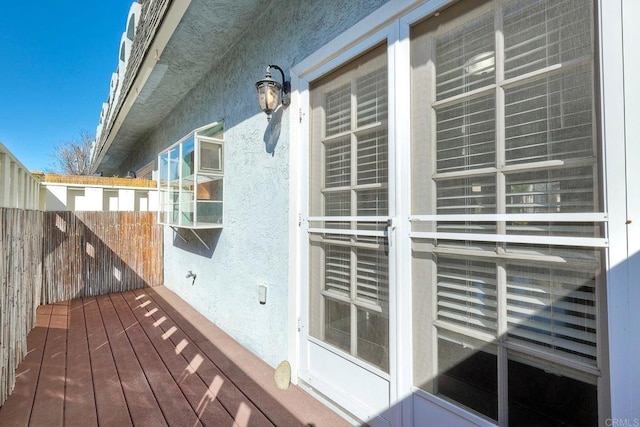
x=146 y=358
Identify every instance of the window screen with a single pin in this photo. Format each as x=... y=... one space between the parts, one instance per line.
x=349 y=295
x=503 y=130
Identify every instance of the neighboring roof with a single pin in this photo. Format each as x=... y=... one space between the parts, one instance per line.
x=176 y=43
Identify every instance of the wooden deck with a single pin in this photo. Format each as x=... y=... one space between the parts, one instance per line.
x=146 y=358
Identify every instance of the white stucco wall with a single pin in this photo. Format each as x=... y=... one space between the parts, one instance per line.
x=252 y=247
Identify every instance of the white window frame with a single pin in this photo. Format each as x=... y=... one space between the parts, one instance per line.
x=300 y=77
x=620 y=194
x=197 y=172
x=145 y=170
x=600 y=217
x=617 y=388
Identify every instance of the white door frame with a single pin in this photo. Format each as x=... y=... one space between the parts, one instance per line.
x=391 y=22
x=390 y=34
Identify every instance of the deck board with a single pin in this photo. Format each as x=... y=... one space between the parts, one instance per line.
x=176 y=409
x=48 y=406
x=111 y=405
x=218 y=386
x=146 y=357
x=252 y=376
x=143 y=406
x=80 y=403
x=16 y=411
x=208 y=409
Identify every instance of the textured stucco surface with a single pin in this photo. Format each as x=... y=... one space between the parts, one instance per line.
x=200 y=37
x=252 y=248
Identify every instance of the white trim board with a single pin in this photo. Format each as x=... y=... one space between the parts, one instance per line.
x=363 y=35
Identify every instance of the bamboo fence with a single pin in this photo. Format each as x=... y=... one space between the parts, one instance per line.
x=49 y=257
x=94 y=253
x=21 y=279
x=98 y=180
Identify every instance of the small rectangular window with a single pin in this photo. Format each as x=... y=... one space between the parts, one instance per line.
x=210 y=156
x=191 y=180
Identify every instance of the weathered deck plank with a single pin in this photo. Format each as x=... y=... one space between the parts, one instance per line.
x=143 y=407
x=80 y=403
x=174 y=406
x=200 y=398
x=48 y=405
x=111 y=405
x=252 y=376
x=145 y=357
x=16 y=411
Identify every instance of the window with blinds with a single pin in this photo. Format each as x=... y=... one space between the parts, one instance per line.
x=506 y=222
x=349 y=279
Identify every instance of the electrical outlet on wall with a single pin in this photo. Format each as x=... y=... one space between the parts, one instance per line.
x=262 y=294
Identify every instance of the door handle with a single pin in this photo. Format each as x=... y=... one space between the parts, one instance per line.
x=390 y=228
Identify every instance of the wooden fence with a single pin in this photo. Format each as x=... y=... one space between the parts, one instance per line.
x=48 y=257
x=21 y=280
x=94 y=253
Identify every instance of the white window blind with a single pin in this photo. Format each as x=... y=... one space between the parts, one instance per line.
x=338 y=270
x=338 y=163
x=550 y=118
x=338 y=110
x=466 y=136
x=371 y=98
x=535 y=154
x=553 y=309
x=466 y=293
x=464 y=57
x=372 y=283
x=372 y=158
x=538 y=34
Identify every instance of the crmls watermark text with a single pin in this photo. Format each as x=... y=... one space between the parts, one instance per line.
x=622 y=422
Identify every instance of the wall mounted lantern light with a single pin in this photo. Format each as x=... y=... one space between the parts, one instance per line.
x=271 y=93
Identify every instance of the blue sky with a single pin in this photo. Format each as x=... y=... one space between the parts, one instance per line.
x=56 y=61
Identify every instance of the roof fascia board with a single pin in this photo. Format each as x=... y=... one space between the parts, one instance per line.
x=169 y=24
